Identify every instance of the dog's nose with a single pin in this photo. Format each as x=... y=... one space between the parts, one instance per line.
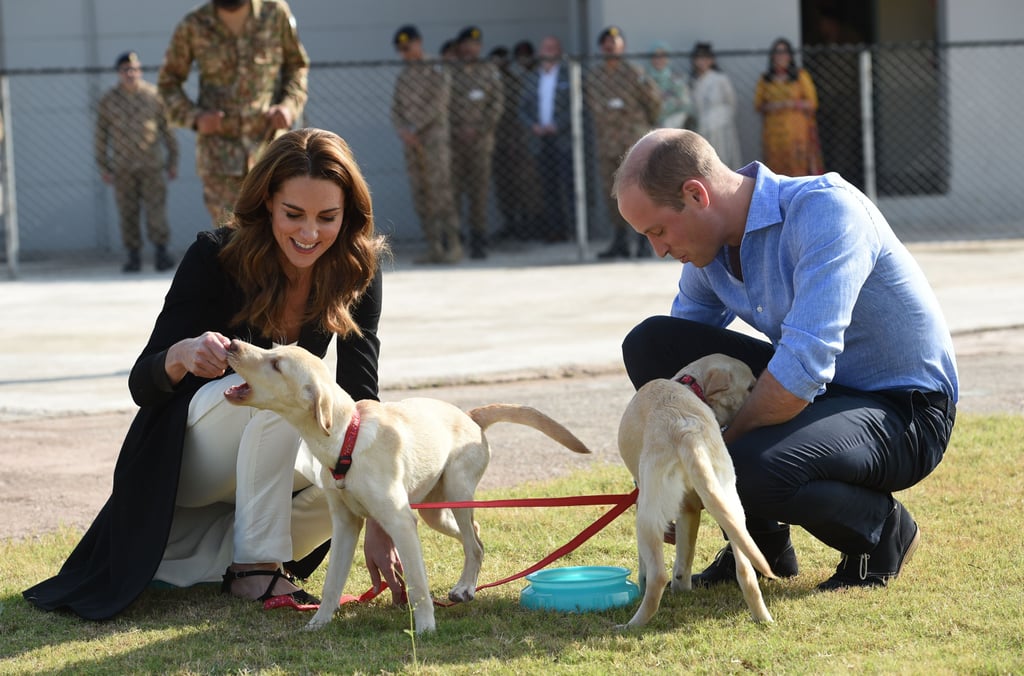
x=233 y=346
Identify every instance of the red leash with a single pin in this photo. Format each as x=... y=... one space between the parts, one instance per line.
x=620 y=503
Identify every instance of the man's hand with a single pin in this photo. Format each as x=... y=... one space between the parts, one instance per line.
x=408 y=137
x=769 y=403
x=279 y=117
x=383 y=563
x=208 y=122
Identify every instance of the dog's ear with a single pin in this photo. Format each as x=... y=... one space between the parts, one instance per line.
x=716 y=381
x=323 y=407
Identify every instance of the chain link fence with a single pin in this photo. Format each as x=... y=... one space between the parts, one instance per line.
x=927 y=130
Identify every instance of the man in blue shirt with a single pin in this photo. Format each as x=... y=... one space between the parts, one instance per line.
x=857 y=383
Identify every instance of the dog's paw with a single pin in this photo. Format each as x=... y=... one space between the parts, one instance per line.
x=316 y=625
x=461 y=594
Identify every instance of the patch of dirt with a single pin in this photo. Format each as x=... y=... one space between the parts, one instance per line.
x=57 y=471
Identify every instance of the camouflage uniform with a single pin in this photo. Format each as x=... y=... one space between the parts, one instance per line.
x=241 y=76
x=420 y=105
x=624 y=104
x=478 y=100
x=135 y=145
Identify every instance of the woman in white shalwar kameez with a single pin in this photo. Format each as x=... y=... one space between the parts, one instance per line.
x=715 y=103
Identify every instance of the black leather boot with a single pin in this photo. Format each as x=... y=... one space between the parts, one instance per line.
x=776 y=547
x=643 y=247
x=899 y=540
x=619 y=247
x=163 y=260
x=477 y=245
x=134 y=262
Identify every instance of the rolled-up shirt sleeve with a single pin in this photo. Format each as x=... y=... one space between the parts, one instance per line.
x=825 y=257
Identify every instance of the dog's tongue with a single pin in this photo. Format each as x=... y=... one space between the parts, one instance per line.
x=237 y=392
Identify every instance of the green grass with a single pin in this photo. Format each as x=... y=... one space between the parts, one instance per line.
x=958 y=608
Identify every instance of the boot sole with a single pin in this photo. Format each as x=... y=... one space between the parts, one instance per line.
x=914 y=542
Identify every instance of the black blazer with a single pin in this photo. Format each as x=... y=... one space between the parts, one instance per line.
x=561 y=114
x=119 y=554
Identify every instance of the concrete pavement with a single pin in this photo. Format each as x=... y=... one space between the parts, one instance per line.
x=70 y=336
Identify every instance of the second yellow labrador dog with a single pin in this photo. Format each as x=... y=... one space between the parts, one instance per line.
x=670 y=440
x=378 y=458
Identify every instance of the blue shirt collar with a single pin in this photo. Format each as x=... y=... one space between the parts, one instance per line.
x=764 y=208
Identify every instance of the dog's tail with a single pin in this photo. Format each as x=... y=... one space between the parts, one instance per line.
x=727 y=512
x=485 y=416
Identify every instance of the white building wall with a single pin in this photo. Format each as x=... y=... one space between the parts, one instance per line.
x=979 y=136
x=983 y=19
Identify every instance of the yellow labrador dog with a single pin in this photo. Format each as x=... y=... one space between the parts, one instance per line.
x=378 y=458
x=672 y=444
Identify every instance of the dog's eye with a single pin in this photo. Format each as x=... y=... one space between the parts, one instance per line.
x=274 y=364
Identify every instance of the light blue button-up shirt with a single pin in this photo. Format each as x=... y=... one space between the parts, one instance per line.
x=828 y=282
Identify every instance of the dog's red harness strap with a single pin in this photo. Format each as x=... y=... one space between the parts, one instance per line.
x=690 y=382
x=345 y=456
x=621 y=502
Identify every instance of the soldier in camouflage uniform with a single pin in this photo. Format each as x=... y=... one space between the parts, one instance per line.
x=253 y=75
x=419 y=112
x=624 y=104
x=134 y=146
x=477 y=103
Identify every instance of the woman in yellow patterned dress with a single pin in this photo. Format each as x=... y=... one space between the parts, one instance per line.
x=786 y=98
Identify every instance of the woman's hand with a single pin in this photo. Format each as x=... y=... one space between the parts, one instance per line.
x=383 y=563
x=205 y=356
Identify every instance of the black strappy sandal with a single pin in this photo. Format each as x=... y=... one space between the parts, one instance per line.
x=298 y=599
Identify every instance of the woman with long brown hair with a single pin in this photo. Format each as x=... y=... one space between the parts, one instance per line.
x=206 y=491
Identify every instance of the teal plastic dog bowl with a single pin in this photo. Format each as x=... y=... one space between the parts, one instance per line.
x=578 y=589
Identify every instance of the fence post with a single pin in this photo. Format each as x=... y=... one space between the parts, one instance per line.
x=579 y=170
x=10 y=199
x=867 y=116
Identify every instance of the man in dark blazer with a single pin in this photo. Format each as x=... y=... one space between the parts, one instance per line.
x=545 y=111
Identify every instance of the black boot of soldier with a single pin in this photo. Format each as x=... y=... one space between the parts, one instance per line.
x=134 y=262
x=776 y=547
x=163 y=260
x=477 y=245
x=619 y=247
x=643 y=247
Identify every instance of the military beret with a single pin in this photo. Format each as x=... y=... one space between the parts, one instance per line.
x=702 y=49
x=610 y=32
x=469 y=33
x=406 y=34
x=127 y=57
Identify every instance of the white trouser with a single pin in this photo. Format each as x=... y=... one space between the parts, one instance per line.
x=239 y=470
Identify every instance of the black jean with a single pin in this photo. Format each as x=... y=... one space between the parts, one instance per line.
x=832 y=469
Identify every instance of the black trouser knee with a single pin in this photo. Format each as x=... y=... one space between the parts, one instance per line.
x=659 y=346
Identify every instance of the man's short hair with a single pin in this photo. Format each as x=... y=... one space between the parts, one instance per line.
x=674 y=159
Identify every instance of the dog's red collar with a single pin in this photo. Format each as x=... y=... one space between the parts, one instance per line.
x=345 y=456
x=690 y=382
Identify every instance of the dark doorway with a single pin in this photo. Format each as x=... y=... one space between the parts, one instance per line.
x=910 y=125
